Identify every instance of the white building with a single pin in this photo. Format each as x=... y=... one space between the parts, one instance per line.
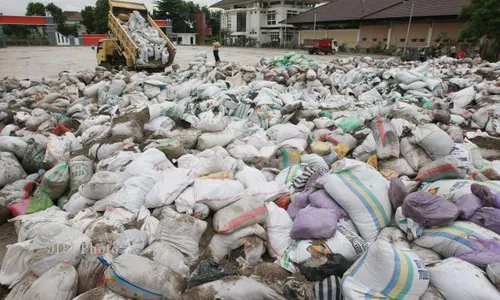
x=262 y=21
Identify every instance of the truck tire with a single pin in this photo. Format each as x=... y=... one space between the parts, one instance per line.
x=311 y=51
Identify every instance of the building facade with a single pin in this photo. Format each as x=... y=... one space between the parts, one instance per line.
x=382 y=23
x=261 y=22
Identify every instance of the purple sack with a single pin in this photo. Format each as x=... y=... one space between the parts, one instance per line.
x=484 y=193
x=488 y=217
x=397 y=192
x=429 y=210
x=488 y=252
x=496 y=201
x=321 y=199
x=301 y=200
x=468 y=204
x=314 y=223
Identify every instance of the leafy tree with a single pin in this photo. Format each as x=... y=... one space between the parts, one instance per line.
x=182 y=14
x=101 y=10
x=88 y=19
x=60 y=20
x=35 y=9
x=214 y=22
x=483 y=20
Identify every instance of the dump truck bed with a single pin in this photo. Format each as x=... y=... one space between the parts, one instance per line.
x=124 y=41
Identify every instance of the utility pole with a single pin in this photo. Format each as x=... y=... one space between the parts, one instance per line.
x=314 y=29
x=408 y=31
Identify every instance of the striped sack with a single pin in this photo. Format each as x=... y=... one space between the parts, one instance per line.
x=328 y=289
x=363 y=194
x=386 y=271
x=455 y=239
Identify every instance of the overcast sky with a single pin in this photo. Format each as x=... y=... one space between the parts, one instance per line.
x=18 y=7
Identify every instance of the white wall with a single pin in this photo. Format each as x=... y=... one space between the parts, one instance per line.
x=186 y=38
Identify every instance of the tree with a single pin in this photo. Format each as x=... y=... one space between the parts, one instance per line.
x=214 y=22
x=88 y=19
x=181 y=13
x=60 y=20
x=101 y=16
x=483 y=20
x=35 y=9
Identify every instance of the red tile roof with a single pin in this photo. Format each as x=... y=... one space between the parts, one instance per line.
x=73 y=16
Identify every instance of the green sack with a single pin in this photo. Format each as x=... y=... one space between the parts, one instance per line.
x=55 y=181
x=349 y=124
x=40 y=202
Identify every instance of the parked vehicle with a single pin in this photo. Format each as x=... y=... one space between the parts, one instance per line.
x=321 y=46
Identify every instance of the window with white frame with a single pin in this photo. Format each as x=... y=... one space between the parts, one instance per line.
x=275 y=36
x=271 y=18
x=228 y=22
x=291 y=13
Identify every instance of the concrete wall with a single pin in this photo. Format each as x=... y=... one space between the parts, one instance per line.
x=451 y=29
x=371 y=35
x=421 y=34
x=186 y=38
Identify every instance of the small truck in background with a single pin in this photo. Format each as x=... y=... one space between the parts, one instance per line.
x=321 y=46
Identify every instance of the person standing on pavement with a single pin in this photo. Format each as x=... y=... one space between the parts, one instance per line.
x=215 y=47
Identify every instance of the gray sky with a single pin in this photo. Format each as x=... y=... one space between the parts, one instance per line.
x=18 y=7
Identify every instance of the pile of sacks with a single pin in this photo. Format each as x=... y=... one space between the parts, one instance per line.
x=152 y=47
x=354 y=179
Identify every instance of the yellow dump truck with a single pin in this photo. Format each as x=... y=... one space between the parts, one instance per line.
x=120 y=50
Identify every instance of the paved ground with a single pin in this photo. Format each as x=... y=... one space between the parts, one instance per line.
x=35 y=62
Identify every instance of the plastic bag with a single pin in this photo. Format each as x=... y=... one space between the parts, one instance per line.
x=429 y=210
x=207 y=271
x=40 y=202
x=314 y=223
x=335 y=265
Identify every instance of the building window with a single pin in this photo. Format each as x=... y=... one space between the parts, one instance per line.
x=241 y=21
x=275 y=3
x=275 y=36
x=291 y=13
x=271 y=18
x=228 y=22
x=289 y=36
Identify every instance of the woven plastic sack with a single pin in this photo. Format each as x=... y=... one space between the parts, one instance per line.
x=135 y=276
x=455 y=239
x=403 y=275
x=363 y=194
x=457 y=279
x=55 y=181
x=59 y=283
x=442 y=168
x=386 y=138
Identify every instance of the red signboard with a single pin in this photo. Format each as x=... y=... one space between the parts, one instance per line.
x=23 y=20
x=161 y=23
x=93 y=39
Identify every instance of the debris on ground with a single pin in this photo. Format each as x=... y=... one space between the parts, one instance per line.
x=290 y=179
